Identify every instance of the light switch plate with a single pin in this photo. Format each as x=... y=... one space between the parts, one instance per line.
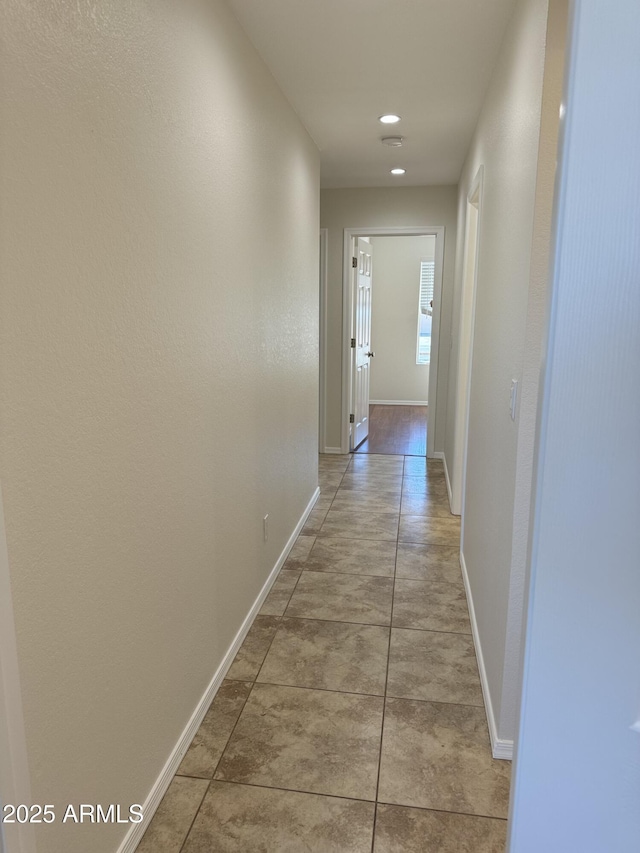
x=513 y=398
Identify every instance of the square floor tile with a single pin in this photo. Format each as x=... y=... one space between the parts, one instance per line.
x=328 y=655
x=334 y=461
x=201 y=759
x=404 y=830
x=428 y=562
x=361 y=525
x=429 y=531
x=377 y=462
x=434 y=666
x=342 y=598
x=314 y=521
x=324 y=502
x=306 y=740
x=329 y=480
x=439 y=757
x=327 y=496
x=352 y=557
x=431 y=505
x=276 y=602
x=363 y=500
x=249 y=659
x=424 y=485
x=301 y=549
x=366 y=481
x=415 y=465
x=247 y=819
x=171 y=822
x=431 y=606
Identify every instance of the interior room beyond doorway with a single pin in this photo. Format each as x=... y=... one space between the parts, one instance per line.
x=402 y=301
x=400 y=430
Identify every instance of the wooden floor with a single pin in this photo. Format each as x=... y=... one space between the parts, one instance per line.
x=396 y=429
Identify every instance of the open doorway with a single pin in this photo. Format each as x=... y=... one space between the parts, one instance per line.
x=401 y=346
x=402 y=298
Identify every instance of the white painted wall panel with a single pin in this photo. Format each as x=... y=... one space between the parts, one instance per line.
x=578 y=761
x=506 y=144
x=158 y=386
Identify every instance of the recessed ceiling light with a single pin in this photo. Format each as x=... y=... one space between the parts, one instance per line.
x=398 y=171
x=390 y=118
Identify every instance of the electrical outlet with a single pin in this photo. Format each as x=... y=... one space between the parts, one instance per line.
x=265 y=527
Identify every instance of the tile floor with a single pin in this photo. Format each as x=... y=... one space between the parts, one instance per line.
x=351 y=720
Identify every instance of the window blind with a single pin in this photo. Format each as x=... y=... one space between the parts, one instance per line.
x=427 y=276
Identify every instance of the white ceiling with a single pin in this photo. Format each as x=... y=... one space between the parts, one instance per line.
x=342 y=63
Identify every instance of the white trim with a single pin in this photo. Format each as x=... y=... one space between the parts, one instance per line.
x=15 y=785
x=136 y=831
x=500 y=747
x=322 y=339
x=465 y=337
x=438 y=454
x=448 y=481
x=435 y=339
x=398 y=403
x=350 y=234
x=334 y=450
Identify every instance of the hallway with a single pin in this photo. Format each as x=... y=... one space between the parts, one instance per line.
x=352 y=717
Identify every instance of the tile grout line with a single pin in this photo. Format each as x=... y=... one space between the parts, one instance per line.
x=372 y=624
x=254 y=681
x=386 y=683
x=250 y=691
x=346 y=693
x=186 y=838
x=338 y=797
x=252 y=685
x=232 y=732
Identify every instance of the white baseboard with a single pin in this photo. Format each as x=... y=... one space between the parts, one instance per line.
x=438 y=454
x=136 y=831
x=500 y=748
x=334 y=450
x=398 y=403
x=448 y=481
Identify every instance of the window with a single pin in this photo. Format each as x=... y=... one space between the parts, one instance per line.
x=425 y=311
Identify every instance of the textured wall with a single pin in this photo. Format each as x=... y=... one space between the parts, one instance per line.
x=534 y=340
x=396 y=284
x=506 y=143
x=380 y=207
x=159 y=372
x=578 y=758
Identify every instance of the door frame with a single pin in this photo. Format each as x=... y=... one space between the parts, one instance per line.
x=322 y=334
x=465 y=347
x=437 y=231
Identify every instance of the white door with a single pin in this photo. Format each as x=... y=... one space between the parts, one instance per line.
x=361 y=341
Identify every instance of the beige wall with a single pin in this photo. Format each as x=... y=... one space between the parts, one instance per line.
x=379 y=207
x=159 y=373
x=518 y=190
x=394 y=326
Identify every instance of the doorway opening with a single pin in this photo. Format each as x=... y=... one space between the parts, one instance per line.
x=396 y=430
x=391 y=314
